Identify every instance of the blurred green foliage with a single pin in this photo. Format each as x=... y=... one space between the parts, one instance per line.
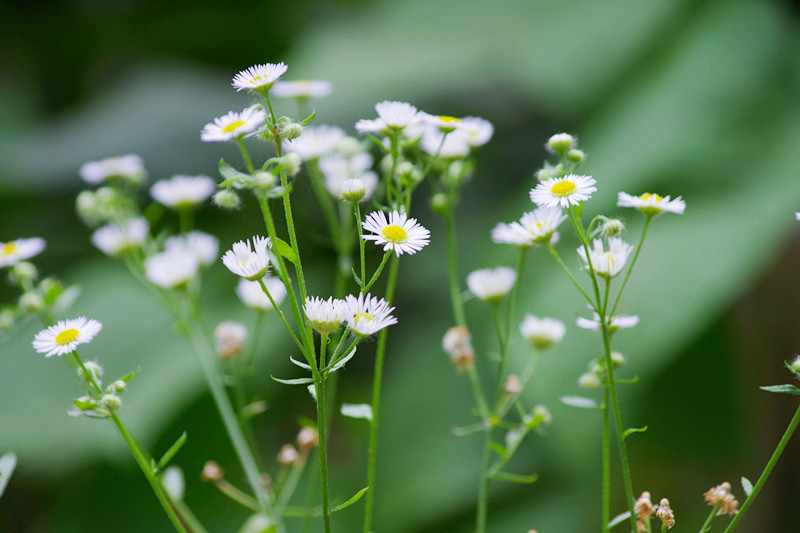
x=691 y=98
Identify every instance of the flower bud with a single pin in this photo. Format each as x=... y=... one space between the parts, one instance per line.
x=31 y=302
x=576 y=156
x=86 y=204
x=24 y=271
x=512 y=386
x=120 y=386
x=105 y=196
x=112 y=402
x=288 y=455
x=545 y=173
x=456 y=342
x=212 y=472
x=353 y=190
x=264 y=180
x=292 y=130
x=292 y=163
x=266 y=135
x=795 y=364
x=560 y=143
x=231 y=337
x=612 y=227
x=7 y=319
x=540 y=415
x=440 y=204
x=349 y=146
x=589 y=380
x=94 y=369
x=227 y=199
x=617 y=359
x=307 y=438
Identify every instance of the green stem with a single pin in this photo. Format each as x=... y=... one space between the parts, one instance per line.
x=633 y=262
x=452 y=271
x=291 y=484
x=376 y=397
x=245 y=156
x=502 y=340
x=483 y=486
x=606 y=462
x=434 y=158
x=569 y=274
x=281 y=315
x=512 y=298
x=324 y=199
x=186 y=219
x=767 y=470
x=319 y=383
x=707 y=524
x=357 y=210
x=477 y=389
x=377 y=273
x=233 y=492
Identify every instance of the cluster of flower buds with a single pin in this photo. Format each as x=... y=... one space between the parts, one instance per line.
x=457 y=345
x=721 y=497
x=644 y=510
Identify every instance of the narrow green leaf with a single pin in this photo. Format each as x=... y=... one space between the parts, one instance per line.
x=7 y=464
x=515 y=478
x=283 y=248
x=298 y=512
x=175 y=448
x=357 y=496
x=341 y=362
x=306 y=121
x=579 y=401
x=356 y=277
x=228 y=172
x=498 y=448
x=631 y=431
x=782 y=389
x=747 y=486
x=298 y=381
x=467 y=430
x=620 y=518
x=130 y=375
x=628 y=381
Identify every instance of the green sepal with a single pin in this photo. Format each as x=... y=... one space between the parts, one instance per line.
x=7 y=464
x=84 y=406
x=747 y=486
x=170 y=453
x=629 y=381
x=515 y=478
x=296 y=381
x=631 y=431
x=283 y=248
x=306 y=121
x=357 y=496
x=782 y=389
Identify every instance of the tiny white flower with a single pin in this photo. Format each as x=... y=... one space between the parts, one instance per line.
x=233 y=125
x=301 y=89
x=354 y=190
x=252 y=295
x=12 y=252
x=398 y=233
x=171 y=269
x=368 y=314
x=183 y=191
x=113 y=239
x=651 y=204
x=607 y=263
x=617 y=322
x=797 y=215
x=392 y=117
x=249 y=262
x=491 y=284
x=258 y=77
x=129 y=167
x=443 y=123
x=325 y=315
x=205 y=247
x=512 y=233
x=542 y=332
x=572 y=189
x=315 y=142
x=535 y=227
x=475 y=130
x=65 y=336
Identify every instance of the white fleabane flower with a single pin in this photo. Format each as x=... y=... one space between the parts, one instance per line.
x=535 y=227
x=12 y=252
x=301 y=89
x=392 y=117
x=183 y=191
x=398 y=234
x=315 y=142
x=617 y=322
x=205 y=247
x=171 y=269
x=233 y=125
x=542 y=332
x=249 y=262
x=607 y=263
x=368 y=314
x=252 y=295
x=491 y=284
x=259 y=77
x=443 y=123
x=475 y=130
x=113 y=239
x=651 y=204
x=572 y=189
x=325 y=315
x=65 y=336
x=455 y=145
x=512 y=233
x=797 y=215
x=130 y=167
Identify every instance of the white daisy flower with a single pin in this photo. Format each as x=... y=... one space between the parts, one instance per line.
x=113 y=239
x=65 y=336
x=572 y=189
x=398 y=233
x=205 y=247
x=259 y=77
x=301 y=89
x=617 y=322
x=512 y=233
x=455 y=145
x=368 y=314
x=130 y=167
x=183 y=191
x=475 y=130
x=491 y=284
x=315 y=142
x=252 y=295
x=325 y=315
x=443 y=123
x=535 y=227
x=607 y=263
x=392 y=117
x=233 y=125
x=542 y=332
x=651 y=204
x=246 y=261
x=171 y=269
x=12 y=252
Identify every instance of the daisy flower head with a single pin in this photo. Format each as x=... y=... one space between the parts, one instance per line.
x=607 y=263
x=651 y=204
x=392 y=117
x=368 y=314
x=233 y=125
x=443 y=123
x=491 y=284
x=398 y=234
x=12 y=252
x=302 y=89
x=171 y=269
x=114 y=239
x=616 y=322
x=65 y=336
x=128 y=167
x=475 y=130
x=249 y=262
x=455 y=145
x=325 y=315
x=252 y=295
x=315 y=142
x=203 y=246
x=541 y=223
x=542 y=332
x=572 y=189
x=512 y=233
x=183 y=191
x=259 y=77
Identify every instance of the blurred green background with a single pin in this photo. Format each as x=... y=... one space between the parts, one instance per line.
x=691 y=98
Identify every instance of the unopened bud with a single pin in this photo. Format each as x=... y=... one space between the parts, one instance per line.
x=25 y=271
x=86 y=204
x=264 y=180
x=105 y=195
x=354 y=190
x=292 y=163
x=665 y=514
x=230 y=337
x=796 y=365
x=227 y=199
x=292 y=131
x=7 y=319
x=93 y=368
x=589 y=380
x=307 y=438
x=31 y=302
x=266 y=135
x=540 y=415
x=120 y=386
x=440 y=204
x=512 y=386
x=560 y=143
x=288 y=455
x=643 y=507
x=112 y=402
x=545 y=173
x=576 y=156
x=212 y=472
x=612 y=227
x=456 y=342
x=617 y=358
x=405 y=168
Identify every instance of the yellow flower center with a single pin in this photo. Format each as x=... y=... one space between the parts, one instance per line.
x=449 y=120
x=646 y=196
x=232 y=126
x=67 y=336
x=394 y=234
x=365 y=316
x=256 y=78
x=8 y=249
x=563 y=188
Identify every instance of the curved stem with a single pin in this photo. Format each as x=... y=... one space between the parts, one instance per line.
x=707 y=524
x=569 y=274
x=377 y=273
x=633 y=262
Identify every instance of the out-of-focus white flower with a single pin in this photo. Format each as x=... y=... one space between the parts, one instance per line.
x=230 y=337
x=398 y=234
x=113 y=239
x=129 y=167
x=535 y=227
x=249 y=262
x=368 y=314
x=455 y=145
x=66 y=335
x=542 y=332
x=325 y=315
x=315 y=142
x=651 y=204
x=607 y=263
x=443 y=123
x=617 y=322
x=252 y=295
x=301 y=89
x=205 y=247
x=392 y=117
x=171 y=269
x=491 y=284
x=233 y=125
x=183 y=191
x=12 y=252
x=475 y=130
x=259 y=77
x=572 y=189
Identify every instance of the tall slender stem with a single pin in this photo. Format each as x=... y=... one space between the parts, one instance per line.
x=570 y=276
x=606 y=463
x=483 y=487
x=357 y=211
x=452 y=270
x=319 y=382
x=633 y=262
x=707 y=524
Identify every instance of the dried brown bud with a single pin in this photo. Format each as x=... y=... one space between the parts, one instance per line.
x=644 y=507
x=307 y=438
x=512 y=386
x=212 y=472
x=230 y=337
x=665 y=514
x=721 y=494
x=288 y=455
x=456 y=343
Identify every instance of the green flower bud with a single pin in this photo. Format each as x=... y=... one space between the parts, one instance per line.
x=560 y=143
x=264 y=180
x=120 y=386
x=112 y=402
x=796 y=365
x=612 y=227
x=7 y=319
x=589 y=380
x=617 y=359
x=292 y=131
x=31 y=302
x=227 y=199
x=24 y=271
x=576 y=156
x=440 y=204
x=292 y=163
